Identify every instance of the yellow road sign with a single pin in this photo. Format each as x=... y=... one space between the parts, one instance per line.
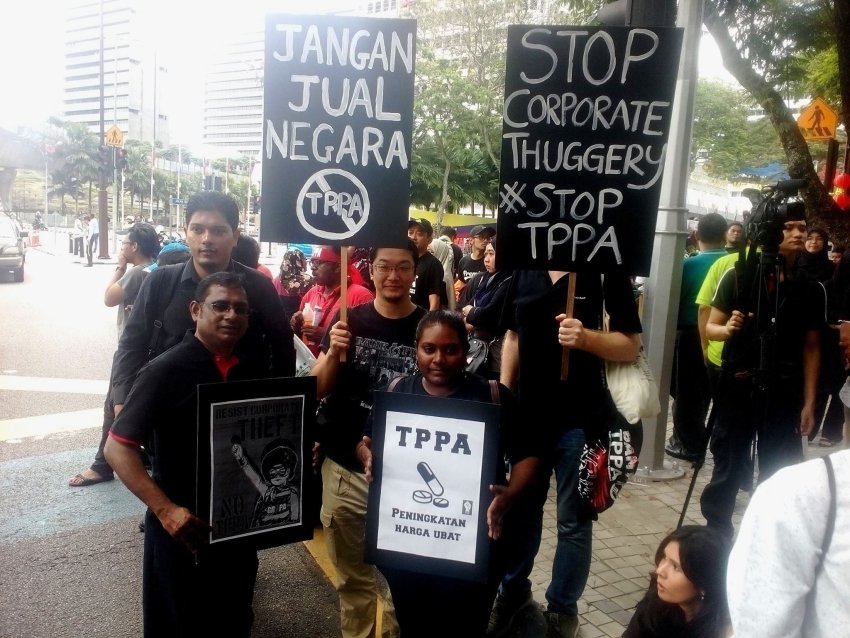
x=818 y=121
x=115 y=136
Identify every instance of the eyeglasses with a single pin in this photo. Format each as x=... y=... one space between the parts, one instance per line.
x=127 y=243
x=401 y=269
x=222 y=308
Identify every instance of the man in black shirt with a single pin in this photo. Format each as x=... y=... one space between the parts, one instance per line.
x=378 y=341
x=473 y=263
x=769 y=383
x=190 y=588
x=160 y=315
x=531 y=361
x=429 y=288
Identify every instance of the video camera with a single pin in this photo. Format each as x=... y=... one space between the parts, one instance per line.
x=771 y=209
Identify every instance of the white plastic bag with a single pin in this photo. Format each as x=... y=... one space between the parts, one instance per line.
x=304 y=358
x=633 y=388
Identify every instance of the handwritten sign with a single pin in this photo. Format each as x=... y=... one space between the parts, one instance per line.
x=254 y=457
x=338 y=120
x=585 y=124
x=433 y=462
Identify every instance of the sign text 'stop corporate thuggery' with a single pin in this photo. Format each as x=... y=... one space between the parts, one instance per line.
x=586 y=118
x=338 y=113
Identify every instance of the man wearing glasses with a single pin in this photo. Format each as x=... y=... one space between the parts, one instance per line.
x=160 y=316
x=378 y=342
x=323 y=298
x=189 y=587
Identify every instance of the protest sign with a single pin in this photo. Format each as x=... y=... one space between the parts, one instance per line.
x=585 y=123
x=255 y=442
x=338 y=120
x=433 y=462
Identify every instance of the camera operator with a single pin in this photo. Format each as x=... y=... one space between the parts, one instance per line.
x=770 y=321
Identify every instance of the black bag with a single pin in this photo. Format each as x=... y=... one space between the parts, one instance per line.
x=608 y=459
x=476 y=358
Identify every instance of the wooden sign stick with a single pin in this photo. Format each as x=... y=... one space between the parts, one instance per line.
x=571 y=300
x=343 y=289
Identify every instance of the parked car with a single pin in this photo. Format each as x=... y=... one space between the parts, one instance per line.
x=13 y=249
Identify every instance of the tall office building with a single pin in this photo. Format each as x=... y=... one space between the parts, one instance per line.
x=133 y=86
x=233 y=96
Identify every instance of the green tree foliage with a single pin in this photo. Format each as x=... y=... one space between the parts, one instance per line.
x=460 y=81
x=723 y=136
x=76 y=161
x=765 y=46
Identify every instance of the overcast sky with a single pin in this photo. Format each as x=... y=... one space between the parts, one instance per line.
x=31 y=37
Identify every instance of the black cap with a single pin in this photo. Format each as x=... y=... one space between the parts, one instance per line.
x=423 y=223
x=482 y=230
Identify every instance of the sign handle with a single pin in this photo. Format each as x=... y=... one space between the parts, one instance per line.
x=343 y=289
x=571 y=299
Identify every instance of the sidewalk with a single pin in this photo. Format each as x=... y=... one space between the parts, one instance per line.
x=624 y=542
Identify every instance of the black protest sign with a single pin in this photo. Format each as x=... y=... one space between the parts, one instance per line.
x=255 y=443
x=433 y=462
x=586 y=118
x=338 y=120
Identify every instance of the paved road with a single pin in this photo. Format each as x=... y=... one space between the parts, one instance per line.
x=70 y=559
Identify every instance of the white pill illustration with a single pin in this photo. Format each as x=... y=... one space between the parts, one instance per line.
x=430 y=479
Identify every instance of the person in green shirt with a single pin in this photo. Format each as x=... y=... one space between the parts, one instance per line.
x=690 y=386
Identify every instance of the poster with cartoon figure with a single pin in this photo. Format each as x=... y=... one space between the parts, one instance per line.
x=433 y=461
x=255 y=441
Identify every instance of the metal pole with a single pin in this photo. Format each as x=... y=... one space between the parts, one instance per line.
x=662 y=299
x=102 y=203
x=153 y=144
x=179 y=172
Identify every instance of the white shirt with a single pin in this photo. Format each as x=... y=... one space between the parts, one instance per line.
x=772 y=565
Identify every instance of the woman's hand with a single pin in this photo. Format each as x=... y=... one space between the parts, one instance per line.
x=503 y=499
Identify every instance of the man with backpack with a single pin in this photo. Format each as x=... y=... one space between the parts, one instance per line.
x=160 y=316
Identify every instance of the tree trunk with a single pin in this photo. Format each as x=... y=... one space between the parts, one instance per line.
x=820 y=208
x=444 y=200
x=841 y=14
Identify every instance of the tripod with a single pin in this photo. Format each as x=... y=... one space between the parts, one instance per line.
x=757 y=275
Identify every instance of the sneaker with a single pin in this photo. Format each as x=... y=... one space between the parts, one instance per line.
x=504 y=613
x=561 y=625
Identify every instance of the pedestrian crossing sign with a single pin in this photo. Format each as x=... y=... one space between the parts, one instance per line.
x=817 y=121
x=115 y=136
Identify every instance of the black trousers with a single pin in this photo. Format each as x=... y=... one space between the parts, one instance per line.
x=741 y=415
x=424 y=604
x=690 y=389
x=181 y=598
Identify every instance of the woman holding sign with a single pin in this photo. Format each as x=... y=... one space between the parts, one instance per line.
x=423 y=602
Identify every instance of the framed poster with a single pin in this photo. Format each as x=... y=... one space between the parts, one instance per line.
x=337 y=129
x=433 y=462
x=586 y=118
x=255 y=441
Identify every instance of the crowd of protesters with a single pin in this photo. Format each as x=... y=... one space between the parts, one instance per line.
x=217 y=314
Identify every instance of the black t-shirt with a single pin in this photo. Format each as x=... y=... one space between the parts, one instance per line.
x=164 y=403
x=802 y=307
x=382 y=350
x=429 y=281
x=513 y=441
x=165 y=296
x=469 y=267
x=531 y=305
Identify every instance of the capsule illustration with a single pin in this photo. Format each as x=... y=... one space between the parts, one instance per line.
x=430 y=478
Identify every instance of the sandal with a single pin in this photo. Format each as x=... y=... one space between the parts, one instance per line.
x=83 y=481
x=826 y=442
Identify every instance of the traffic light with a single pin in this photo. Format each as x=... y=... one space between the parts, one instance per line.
x=121 y=162
x=105 y=154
